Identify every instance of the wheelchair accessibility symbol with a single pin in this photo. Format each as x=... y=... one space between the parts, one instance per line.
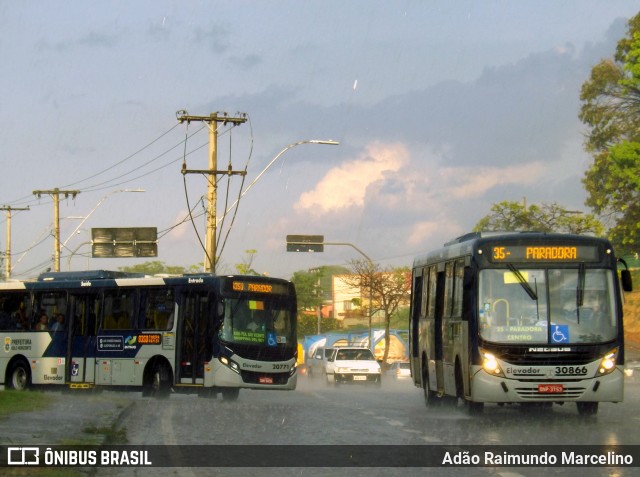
x=560 y=334
x=271 y=339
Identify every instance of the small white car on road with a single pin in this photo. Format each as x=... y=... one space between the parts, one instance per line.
x=353 y=365
x=399 y=369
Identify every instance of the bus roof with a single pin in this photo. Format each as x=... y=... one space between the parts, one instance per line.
x=465 y=244
x=86 y=275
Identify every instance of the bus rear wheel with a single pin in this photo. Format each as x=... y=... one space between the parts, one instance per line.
x=19 y=376
x=587 y=408
x=158 y=383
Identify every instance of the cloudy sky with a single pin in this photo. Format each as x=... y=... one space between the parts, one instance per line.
x=441 y=109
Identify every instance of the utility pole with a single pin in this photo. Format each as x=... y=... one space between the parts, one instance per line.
x=55 y=194
x=213 y=119
x=7 y=258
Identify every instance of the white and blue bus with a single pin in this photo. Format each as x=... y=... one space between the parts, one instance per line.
x=527 y=318
x=193 y=333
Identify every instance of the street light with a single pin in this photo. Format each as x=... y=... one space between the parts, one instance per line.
x=308 y=141
x=95 y=208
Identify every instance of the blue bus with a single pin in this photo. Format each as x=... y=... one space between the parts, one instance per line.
x=194 y=333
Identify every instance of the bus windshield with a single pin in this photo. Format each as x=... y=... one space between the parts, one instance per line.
x=547 y=306
x=259 y=322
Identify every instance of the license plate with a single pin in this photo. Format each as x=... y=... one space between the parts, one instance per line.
x=550 y=388
x=359 y=378
x=266 y=380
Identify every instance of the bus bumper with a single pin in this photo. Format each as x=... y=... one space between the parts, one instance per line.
x=493 y=389
x=232 y=375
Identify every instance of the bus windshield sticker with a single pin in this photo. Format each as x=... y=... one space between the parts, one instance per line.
x=271 y=339
x=520 y=334
x=248 y=336
x=560 y=334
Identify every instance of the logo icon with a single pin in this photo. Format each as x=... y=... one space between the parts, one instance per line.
x=23 y=456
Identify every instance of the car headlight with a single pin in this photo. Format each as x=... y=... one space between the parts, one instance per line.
x=608 y=362
x=490 y=364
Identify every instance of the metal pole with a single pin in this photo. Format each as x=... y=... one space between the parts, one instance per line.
x=55 y=193
x=210 y=241
x=371 y=344
x=84 y=219
x=7 y=258
x=56 y=231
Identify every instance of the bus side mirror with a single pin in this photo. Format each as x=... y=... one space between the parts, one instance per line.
x=625 y=278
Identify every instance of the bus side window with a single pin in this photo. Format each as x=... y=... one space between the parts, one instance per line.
x=13 y=311
x=158 y=308
x=49 y=303
x=118 y=309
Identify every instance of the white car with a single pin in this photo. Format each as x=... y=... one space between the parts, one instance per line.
x=353 y=365
x=399 y=369
x=316 y=364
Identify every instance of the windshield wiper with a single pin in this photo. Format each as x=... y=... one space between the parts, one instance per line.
x=525 y=284
x=580 y=290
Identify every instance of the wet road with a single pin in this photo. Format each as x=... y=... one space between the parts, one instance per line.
x=318 y=415
x=395 y=414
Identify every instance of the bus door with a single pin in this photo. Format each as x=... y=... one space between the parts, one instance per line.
x=417 y=310
x=81 y=348
x=194 y=335
x=437 y=332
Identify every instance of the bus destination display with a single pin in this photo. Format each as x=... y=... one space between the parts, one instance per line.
x=544 y=253
x=257 y=287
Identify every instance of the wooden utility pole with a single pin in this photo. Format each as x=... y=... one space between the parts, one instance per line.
x=55 y=194
x=7 y=258
x=213 y=119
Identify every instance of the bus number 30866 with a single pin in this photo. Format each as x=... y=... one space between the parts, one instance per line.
x=571 y=370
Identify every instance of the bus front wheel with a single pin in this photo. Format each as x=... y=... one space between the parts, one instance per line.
x=430 y=396
x=19 y=376
x=587 y=408
x=230 y=394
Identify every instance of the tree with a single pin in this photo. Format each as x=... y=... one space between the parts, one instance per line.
x=611 y=110
x=389 y=289
x=308 y=289
x=244 y=268
x=156 y=267
x=552 y=217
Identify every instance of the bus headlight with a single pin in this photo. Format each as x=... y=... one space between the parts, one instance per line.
x=608 y=363
x=232 y=365
x=490 y=364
